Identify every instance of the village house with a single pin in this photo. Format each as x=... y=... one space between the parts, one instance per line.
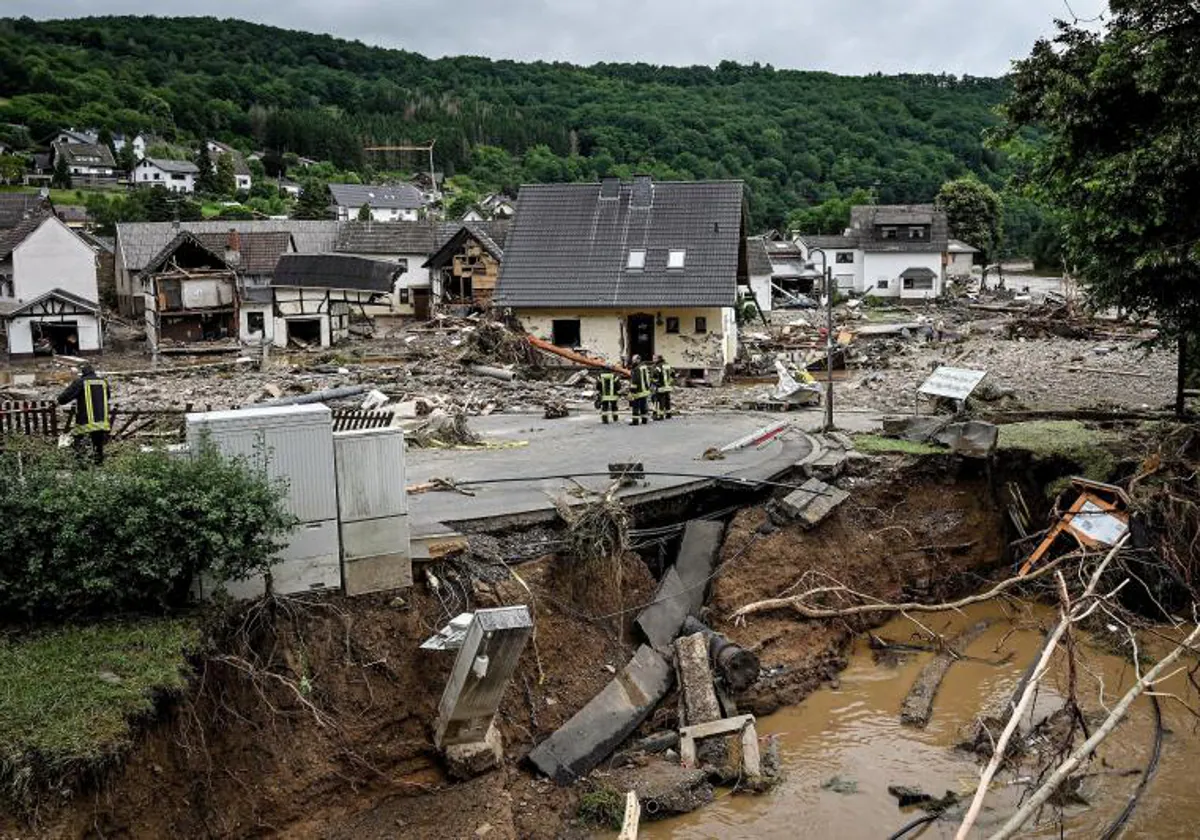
x=88 y=163
x=635 y=268
x=195 y=286
x=138 y=243
x=387 y=204
x=175 y=175
x=49 y=298
x=758 y=265
x=241 y=169
x=898 y=251
x=960 y=260
x=465 y=268
x=314 y=297
x=494 y=206
x=405 y=245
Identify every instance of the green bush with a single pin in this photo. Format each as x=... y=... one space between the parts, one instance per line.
x=132 y=535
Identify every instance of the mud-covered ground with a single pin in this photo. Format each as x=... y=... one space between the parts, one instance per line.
x=352 y=755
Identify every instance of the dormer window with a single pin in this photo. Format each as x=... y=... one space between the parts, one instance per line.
x=637 y=259
x=675 y=259
x=887 y=233
x=916 y=233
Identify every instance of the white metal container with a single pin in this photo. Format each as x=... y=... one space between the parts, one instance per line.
x=296 y=442
x=373 y=508
x=370 y=474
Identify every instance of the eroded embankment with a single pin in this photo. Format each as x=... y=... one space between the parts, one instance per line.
x=925 y=532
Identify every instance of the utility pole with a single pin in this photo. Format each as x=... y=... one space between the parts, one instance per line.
x=829 y=427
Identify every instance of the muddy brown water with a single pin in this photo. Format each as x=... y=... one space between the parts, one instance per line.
x=854 y=733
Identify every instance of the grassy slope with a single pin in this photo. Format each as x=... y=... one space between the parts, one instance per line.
x=68 y=695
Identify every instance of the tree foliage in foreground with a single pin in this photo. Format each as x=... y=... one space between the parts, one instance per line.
x=1121 y=157
x=132 y=535
x=974 y=213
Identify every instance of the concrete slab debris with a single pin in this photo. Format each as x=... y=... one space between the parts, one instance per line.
x=813 y=501
x=973 y=439
x=664 y=788
x=698 y=556
x=659 y=623
x=697 y=699
x=591 y=735
x=485 y=664
x=466 y=761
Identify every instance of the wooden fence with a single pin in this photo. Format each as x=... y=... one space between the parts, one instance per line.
x=354 y=419
x=29 y=417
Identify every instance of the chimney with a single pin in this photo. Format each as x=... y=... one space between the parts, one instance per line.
x=643 y=192
x=233 y=248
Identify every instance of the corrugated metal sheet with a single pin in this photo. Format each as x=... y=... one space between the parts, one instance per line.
x=296 y=443
x=370 y=474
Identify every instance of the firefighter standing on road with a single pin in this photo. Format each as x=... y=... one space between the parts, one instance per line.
x=639 y=392
x=90 y=394
x=607 y=387
x=664 y=384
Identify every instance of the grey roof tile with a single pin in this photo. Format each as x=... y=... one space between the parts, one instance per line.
x=139 y=242
x=15 y=206
x=865 y=218
x=387 y=237
x=569 y=245
x=399 y=197
x=757 y=257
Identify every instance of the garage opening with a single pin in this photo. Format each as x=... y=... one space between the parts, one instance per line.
x=55 y=339
x=306 y=330
x=566 y=332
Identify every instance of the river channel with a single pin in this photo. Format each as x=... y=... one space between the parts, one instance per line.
x=842 y=747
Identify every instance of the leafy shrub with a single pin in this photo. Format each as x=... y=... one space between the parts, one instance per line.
x=602 y=807
x=132 y=535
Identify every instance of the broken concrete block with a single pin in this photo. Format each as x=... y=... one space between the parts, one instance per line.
x=914 y=428
x=973 y=439
x=742 y=725
x=698 y=557
x=466 y=761
x=697 y=699
x=659 y=623
x=485 y=664
x=812 y=502
x=665 y=789
x=598 y=728
x=830 y=465
x=842 y=439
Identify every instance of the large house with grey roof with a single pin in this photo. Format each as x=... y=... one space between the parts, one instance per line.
x=619 y=269
x=402 y=202
x=898 y=251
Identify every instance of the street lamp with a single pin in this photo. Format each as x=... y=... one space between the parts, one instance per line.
x=827 y=283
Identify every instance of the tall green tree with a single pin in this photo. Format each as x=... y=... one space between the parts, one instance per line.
x=62 y=175
x=975 y=214
x=226 y=177
x=12 y=167
x=313 y=202
x=831 y=217
x=1121 y=158
x=206 y=178
x=364 y=213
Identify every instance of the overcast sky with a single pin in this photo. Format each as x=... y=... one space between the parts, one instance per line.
x=978 y=37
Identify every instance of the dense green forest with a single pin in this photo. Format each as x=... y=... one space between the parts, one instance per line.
x=796 y=138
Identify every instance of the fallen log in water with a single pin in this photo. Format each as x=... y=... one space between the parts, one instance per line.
x=917 y=708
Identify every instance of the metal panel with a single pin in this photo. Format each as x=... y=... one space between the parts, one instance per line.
x=376 y=555
x=370 y=474
x=953 y=383
x=297 y=443
x=309 y=562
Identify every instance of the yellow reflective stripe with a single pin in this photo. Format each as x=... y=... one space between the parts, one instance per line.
x=93 y=424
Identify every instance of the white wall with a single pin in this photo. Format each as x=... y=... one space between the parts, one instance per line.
x=960 y=265
x=244 y=334
x=144 y=175
x=379 y=214
x=761 y=287
x=54 y=257
x=889 y=266
x=603 y=334
x=20 y=333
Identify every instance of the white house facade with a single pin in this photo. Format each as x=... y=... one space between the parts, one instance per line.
x=174 y=175
x=48 y=289
x=402 y=203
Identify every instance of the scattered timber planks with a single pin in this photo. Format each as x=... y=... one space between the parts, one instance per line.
x=918 y=705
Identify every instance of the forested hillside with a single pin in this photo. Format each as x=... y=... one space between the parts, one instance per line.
x=797 y=138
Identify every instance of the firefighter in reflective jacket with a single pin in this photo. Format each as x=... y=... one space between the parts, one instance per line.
x=90 y=394
x=607 y=386
x=639 y=392
x=664 y=383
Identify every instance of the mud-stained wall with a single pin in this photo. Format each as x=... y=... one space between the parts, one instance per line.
x=604 y=333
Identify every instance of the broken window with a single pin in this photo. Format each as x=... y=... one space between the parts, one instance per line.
x=255 y=322
x=672 y=325
x=675 y=259
x=701 y=324
x=844 y=257
x=637 y=259
x=565 y=332
x=403 y=296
